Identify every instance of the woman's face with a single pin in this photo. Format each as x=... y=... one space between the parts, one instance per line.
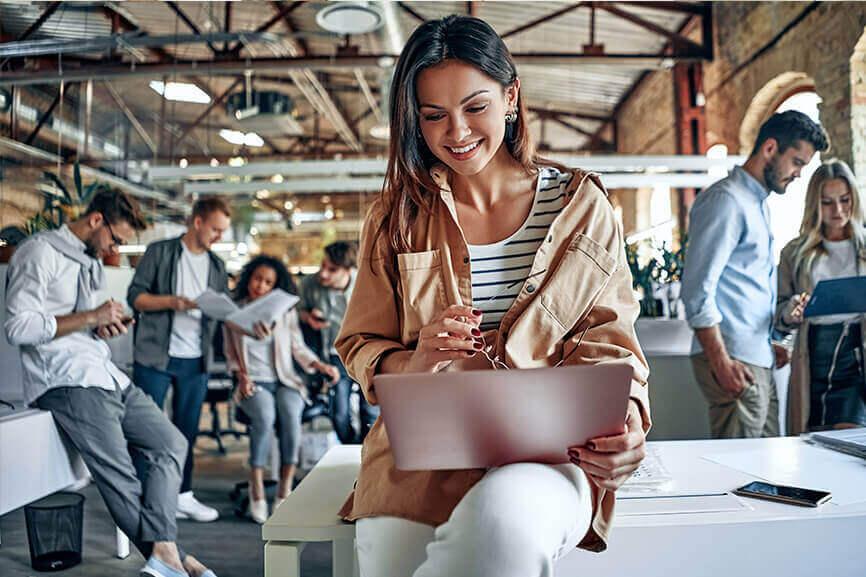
x=836 y=204
x=262 y=282
x=462 y=114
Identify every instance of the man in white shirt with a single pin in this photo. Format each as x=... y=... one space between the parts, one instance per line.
x=52 y=315
x=172 y=337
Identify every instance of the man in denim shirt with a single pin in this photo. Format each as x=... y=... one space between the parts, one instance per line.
x=729 y=282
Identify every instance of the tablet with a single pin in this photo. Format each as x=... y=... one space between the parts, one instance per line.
x=838 y=296
x=472 y=419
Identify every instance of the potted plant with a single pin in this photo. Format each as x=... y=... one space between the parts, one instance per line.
x=63 y=205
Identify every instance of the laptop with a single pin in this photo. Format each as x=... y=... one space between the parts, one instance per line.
x=851 y=441
x=479 y=419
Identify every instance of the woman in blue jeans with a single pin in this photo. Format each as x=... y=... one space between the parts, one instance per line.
x=270 y=389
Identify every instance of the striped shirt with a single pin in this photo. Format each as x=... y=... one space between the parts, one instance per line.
x=500 y=269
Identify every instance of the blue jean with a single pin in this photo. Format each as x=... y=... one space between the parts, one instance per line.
x=274 y=404
x=341 y=408
x=189 y=382
x=838 y=389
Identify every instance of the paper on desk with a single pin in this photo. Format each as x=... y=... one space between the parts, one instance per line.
x=678 y=504
x=802 y=465
x=265 y=309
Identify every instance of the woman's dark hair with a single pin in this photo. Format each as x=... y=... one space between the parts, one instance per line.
x=408 y=187
x=284 y=279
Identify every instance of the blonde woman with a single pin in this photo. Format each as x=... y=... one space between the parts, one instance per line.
x=827 y=383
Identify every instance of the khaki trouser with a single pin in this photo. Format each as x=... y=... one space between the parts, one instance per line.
x=755 y=413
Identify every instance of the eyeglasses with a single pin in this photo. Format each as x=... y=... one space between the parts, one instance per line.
x=486 y=348
x=114 y=239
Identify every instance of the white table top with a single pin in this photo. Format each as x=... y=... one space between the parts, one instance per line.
x=310 y=514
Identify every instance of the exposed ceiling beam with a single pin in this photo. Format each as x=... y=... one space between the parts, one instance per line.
x=581 y=115
x=411 y=12
x=118 y=99
x=45 y=116
x=677 y=40
x=268 y=24
x=43 y=18
x=214 y=103
x=192 y=25
x=231 y=67
x=682 y=7
x=542 y=20
x=571 y=126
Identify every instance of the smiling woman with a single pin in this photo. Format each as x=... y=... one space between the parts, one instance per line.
x=478 y=245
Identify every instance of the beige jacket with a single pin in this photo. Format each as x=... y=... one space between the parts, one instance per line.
x=288 y=344
x=795 y=278
x=585 y=283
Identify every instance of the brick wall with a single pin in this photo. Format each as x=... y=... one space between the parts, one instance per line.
x=819 y=47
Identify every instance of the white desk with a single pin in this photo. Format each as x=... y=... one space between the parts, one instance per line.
x=769 y=539
x=36 y=462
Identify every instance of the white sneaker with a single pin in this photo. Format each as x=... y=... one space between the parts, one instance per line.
x=188 y=507
x=259 y=511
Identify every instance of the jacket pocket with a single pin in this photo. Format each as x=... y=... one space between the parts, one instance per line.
x=580 y=276
x=567 y=296
x=422 y=288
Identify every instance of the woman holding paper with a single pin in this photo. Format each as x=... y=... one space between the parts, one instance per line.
x=479 y=254
x=827 y=387
x=267 y=384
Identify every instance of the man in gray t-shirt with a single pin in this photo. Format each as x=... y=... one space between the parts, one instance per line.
x=324 y=298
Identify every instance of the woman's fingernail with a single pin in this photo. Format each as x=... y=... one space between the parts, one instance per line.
x=590 y=445
x=476 y=312
x=477 y=345
x=472 y=354
x=476 y=333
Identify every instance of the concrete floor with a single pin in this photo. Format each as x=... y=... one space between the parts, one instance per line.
x=231 y=546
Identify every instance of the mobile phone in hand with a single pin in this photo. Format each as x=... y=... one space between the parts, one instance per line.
x=783 y=494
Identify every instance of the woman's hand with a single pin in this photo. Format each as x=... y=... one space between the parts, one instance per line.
x=793 y=314
x=246 y=387
x=610 y=461
x=452 y=334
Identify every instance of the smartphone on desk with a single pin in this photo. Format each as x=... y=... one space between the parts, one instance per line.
x=783 y=494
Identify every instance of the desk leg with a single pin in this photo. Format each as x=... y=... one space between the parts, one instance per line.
x=122 y=544
x=283 y=558
x=343 y=557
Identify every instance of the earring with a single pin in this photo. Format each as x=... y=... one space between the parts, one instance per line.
x=511 y=117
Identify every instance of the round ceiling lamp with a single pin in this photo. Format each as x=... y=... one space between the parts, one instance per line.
x=347 y=17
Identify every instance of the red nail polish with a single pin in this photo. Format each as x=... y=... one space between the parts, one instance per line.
x=476 y=312
x=477 y=345
x=476 y=333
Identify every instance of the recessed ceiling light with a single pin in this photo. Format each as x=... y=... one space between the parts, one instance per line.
x=250 y=139
x=380 y=131
x=180 y=91
x=350 y=17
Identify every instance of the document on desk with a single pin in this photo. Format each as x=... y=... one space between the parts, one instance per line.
x=634 y=504
x=265 y=309
x=802 y=465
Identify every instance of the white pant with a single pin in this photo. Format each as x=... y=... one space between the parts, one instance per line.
x=515 y=522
